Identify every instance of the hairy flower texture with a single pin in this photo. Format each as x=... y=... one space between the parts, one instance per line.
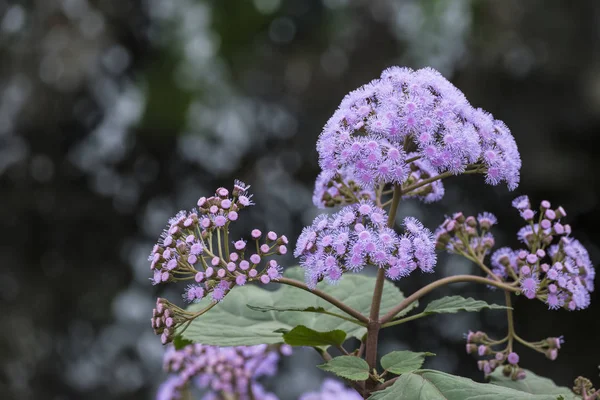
x=196 y=247
x=554 y=267
x=466 y=236
x=339 y=188
x=479 y=344
x=343 y=188
x=356 y=236
x=420 y=111
x=332 y=390
x=222 y=371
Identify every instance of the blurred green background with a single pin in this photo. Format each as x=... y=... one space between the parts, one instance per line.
x=116 y=114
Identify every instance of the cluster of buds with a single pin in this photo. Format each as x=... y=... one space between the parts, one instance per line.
x=554 y=268
x=466 y=236
x=196 y=246
x=420 y=170
x=356 y=236
x=340 y=189
x=223 y=371
x=167 y=317
x=480 y=344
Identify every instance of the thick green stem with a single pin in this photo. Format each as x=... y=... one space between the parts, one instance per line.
x=437 y=284
x=374 y=324
x=330 y=299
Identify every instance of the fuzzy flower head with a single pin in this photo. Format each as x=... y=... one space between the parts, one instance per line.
x=421 y=112
x=356 y=236
x=223 y=371
x=196 y=246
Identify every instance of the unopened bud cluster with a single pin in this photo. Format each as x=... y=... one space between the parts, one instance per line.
x=223 y=371
x=343 y=188
x=478 y=343
x=196 y=246
x=466 y=236
x=340 y=189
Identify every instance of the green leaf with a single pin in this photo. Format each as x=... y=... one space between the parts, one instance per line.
x=297 y=309
x=401 y=362
x=180 y=342
x=454 y=304
x=232 y=323
x=532 y=383
x=436 y=385
x=303 y=336
x=349 y=367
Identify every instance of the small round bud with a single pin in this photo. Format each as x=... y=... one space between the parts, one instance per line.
x=527 y=215
x=551 y=354
x=545 y=204
x=513 y=358
x=256 y=233
x=272 y=235
x=471 y=221
x=483 y=350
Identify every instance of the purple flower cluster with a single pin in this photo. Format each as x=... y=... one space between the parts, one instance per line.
x=357 y=235
x=375 y=126
x=554 y=268
x=222 y=371
x=466 y=236
x=480 y=344
x=343 y=188
x=332 y=390
x=196 y=246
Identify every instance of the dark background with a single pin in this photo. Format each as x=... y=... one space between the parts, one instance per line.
x=116 y=114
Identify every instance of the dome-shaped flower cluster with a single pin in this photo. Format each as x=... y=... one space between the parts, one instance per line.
x=414 y=111
x=357 y=235
x=554 y=268
x=228 y=371
x=196 y=246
